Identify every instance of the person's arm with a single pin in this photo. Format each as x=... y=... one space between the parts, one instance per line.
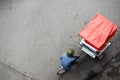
x=76 y=57
x=60 y=57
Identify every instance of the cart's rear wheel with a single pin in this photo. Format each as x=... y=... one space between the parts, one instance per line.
x=98 y=58
x=101 y=57
x=103 y=54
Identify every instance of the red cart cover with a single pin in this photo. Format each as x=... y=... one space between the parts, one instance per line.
x=98 y=31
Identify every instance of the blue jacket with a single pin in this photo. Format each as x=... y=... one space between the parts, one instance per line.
x=66 y=61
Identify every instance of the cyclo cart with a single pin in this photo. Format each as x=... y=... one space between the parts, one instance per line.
x=94 y=38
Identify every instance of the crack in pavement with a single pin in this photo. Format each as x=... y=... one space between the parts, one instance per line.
x=16 y=72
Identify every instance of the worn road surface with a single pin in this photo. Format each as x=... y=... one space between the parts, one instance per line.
x=33 y=34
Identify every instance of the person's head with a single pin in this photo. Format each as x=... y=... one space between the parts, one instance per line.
x=70 y=52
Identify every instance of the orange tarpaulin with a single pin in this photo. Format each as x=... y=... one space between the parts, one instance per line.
x=98 y=31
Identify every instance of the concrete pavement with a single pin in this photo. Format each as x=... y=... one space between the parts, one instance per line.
x=33 y=33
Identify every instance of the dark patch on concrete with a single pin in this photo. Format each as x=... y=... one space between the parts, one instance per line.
x=71 y=37
x=51 y=59
x=93 y=76
x=86 y=23
x=114 y=72
x=74 y=45
x=10 y=8
x=25 y=72
x=75 y=17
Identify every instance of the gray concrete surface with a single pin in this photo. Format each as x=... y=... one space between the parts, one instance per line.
x=33 y=34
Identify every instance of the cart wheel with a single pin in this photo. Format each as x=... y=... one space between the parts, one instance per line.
x=101 y=56
x=97 y=58
x=61 y=71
